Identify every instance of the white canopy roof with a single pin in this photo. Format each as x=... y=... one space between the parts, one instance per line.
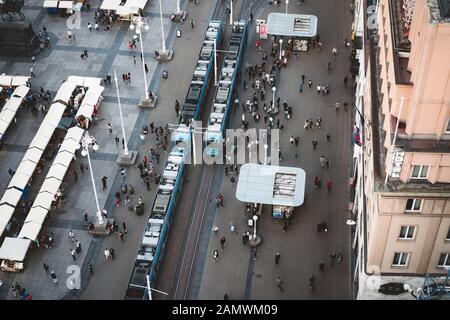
x=64 y=158
x=19 y=81
x=36 y=215
x=57 y=171
x=91 y=82
x=65 y=91
x=125 y=10
x=13 y=103
x=19 y=180
x=136 y=3
x=45 y=131
x=92 y=95
x=11 y=196
x=50 y=185
x=30 y=230
x=6 y=212
x=7 y=115
x=264 y=184
x=110 y=4
x=14 y=249
x=39 y=142
x=50 y=4
x=44 y=200
x=69 y=146
x=3 y=224
x=27 y=167
x=21 y=91
x=85 y=110
x=76 y=80
x=74 y=133
x=3 y=126
x=54 y=115
x=5 y=80
x=292 y=25
x=33 y=155
x=65 y=4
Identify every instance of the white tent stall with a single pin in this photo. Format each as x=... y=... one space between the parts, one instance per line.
x=14 y=249
x=64 y=158
x=57 y=171
x=5 y=81
x=39 y=142
x=27 y=167
x=43 y=200
x=65 y=91
x=50 y=185
x=11 y=197
x=30 y=230
x=33 y=155
x=19 y=181
x=36 y=215
x=21 y=91
x=13 y=104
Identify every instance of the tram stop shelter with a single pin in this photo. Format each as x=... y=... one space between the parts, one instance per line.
x=273 y=185
x=300 y=27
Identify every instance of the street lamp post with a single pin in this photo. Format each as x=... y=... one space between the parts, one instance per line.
x=255 y=218
x=265 y=153
x=164 y=55
x=231 y=12
x=273 y=96
x=215 y=62
x=125 y=158
x=287 y=3
x=281 y=47
x=88 y=141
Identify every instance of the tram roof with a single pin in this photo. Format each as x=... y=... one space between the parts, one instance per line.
x=274 y=185
x=293 y=25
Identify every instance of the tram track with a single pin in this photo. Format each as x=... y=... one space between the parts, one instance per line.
x=205 y=177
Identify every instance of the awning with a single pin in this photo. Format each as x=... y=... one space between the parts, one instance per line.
x=57 y=171
x=7 y=115
x=3 y=224
x=5 y=81
x=21 y=91
x=50 y=4
x=292 y=25
x=43 y=200
x=92 y=95
x=126 y=11
x=19 y=81
x=13 y=104
x=19 y=180
x=64 y=158
x=14 y=249
x=33 y=155
x=91 y=82
x=45 y=131
x=12 y=197
x=50 y=185
x=65 y=4
x=74 y=133
x=65 y=91
x=30 y=230
x=6 y=213
x=54 y=115
x=40 y=142
x=69 y=146
x=36 y=215
x=110 y=4
x=271 y=185
x=27 y=167
x=136 y=3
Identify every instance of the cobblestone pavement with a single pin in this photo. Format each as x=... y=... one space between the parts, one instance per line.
x=108 y=51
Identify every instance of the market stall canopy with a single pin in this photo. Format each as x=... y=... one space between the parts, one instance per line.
x=126 y=11
x=54 y=115
x=292 y=25
x=36 y=215
x=19 y=181
x=21 y=91
x=76 y=80
x=39 y=142
x=50 y=185
x=3 y=225
x=13 y=104
x=45 y=131
x=92 y=95
x=43 y=200
x=91 y=82
x=64 y=158
x=65 y=5
x=50 y=4
x=271 y=185
x=74 y=133
x=136 y=3
x=27 y=167
x=30 y=230
x=19 y=81
x=6 y=213
x=65 y=91
x=69 y=146
x=5 y=81
x=14 y=249
x=57 y=171
x=7 y=115
x=33 y=155
x=11 y=197
x=110 y=4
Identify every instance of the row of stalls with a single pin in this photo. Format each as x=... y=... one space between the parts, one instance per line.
x=125 y=9
x=63 y=7
x=13 y=103
x=13 y=250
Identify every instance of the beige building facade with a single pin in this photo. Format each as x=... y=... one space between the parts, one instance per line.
x=402 y=168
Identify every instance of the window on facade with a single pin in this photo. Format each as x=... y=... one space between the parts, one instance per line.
x=413 y=205
x=400 y=259
x=420 y=172
x=448 y=235
x=444 y=260
x=407 y=232
x=448 y=127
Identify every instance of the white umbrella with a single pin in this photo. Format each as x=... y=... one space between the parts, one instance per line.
x=12 y=197
x=33 y=155
x=27 y=167
x=19 y=180
x=43 y=200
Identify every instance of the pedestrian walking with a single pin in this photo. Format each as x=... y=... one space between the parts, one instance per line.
x=332 y=257
x=73 y=253
x=111 y=250
x=46 y=267
x=33 y=60
x=117 y=140
x=337 y=106
x=81 y=167
x=32 y=72
x=322 y=267
x=121 y=236
x=54 y=277
x=340 y=257
x=345 y=81
x=314 y=144
x=96 y=26
x=11 y=173
x=215 y=255
x=89 y=26
x=232 y=180
x=78 y=246
x=280 y=284
x=334 y=52
x=129 y=77
x=90 y=268
x=322 y=161
x=192 y=23
x=85 y=217
x=123 y=173
x=328 y=162
x=104 y=179
x=222 y=242
x=277 y=258
x=14 y=291
x=328 y=137
x=124 y=227
x=107 y=254
x=146 y=68
x=310 y=83
x=71 y=235
x=109 y=128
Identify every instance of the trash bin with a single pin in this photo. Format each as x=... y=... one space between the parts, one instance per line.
x=178 y=33
x=165 y=74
